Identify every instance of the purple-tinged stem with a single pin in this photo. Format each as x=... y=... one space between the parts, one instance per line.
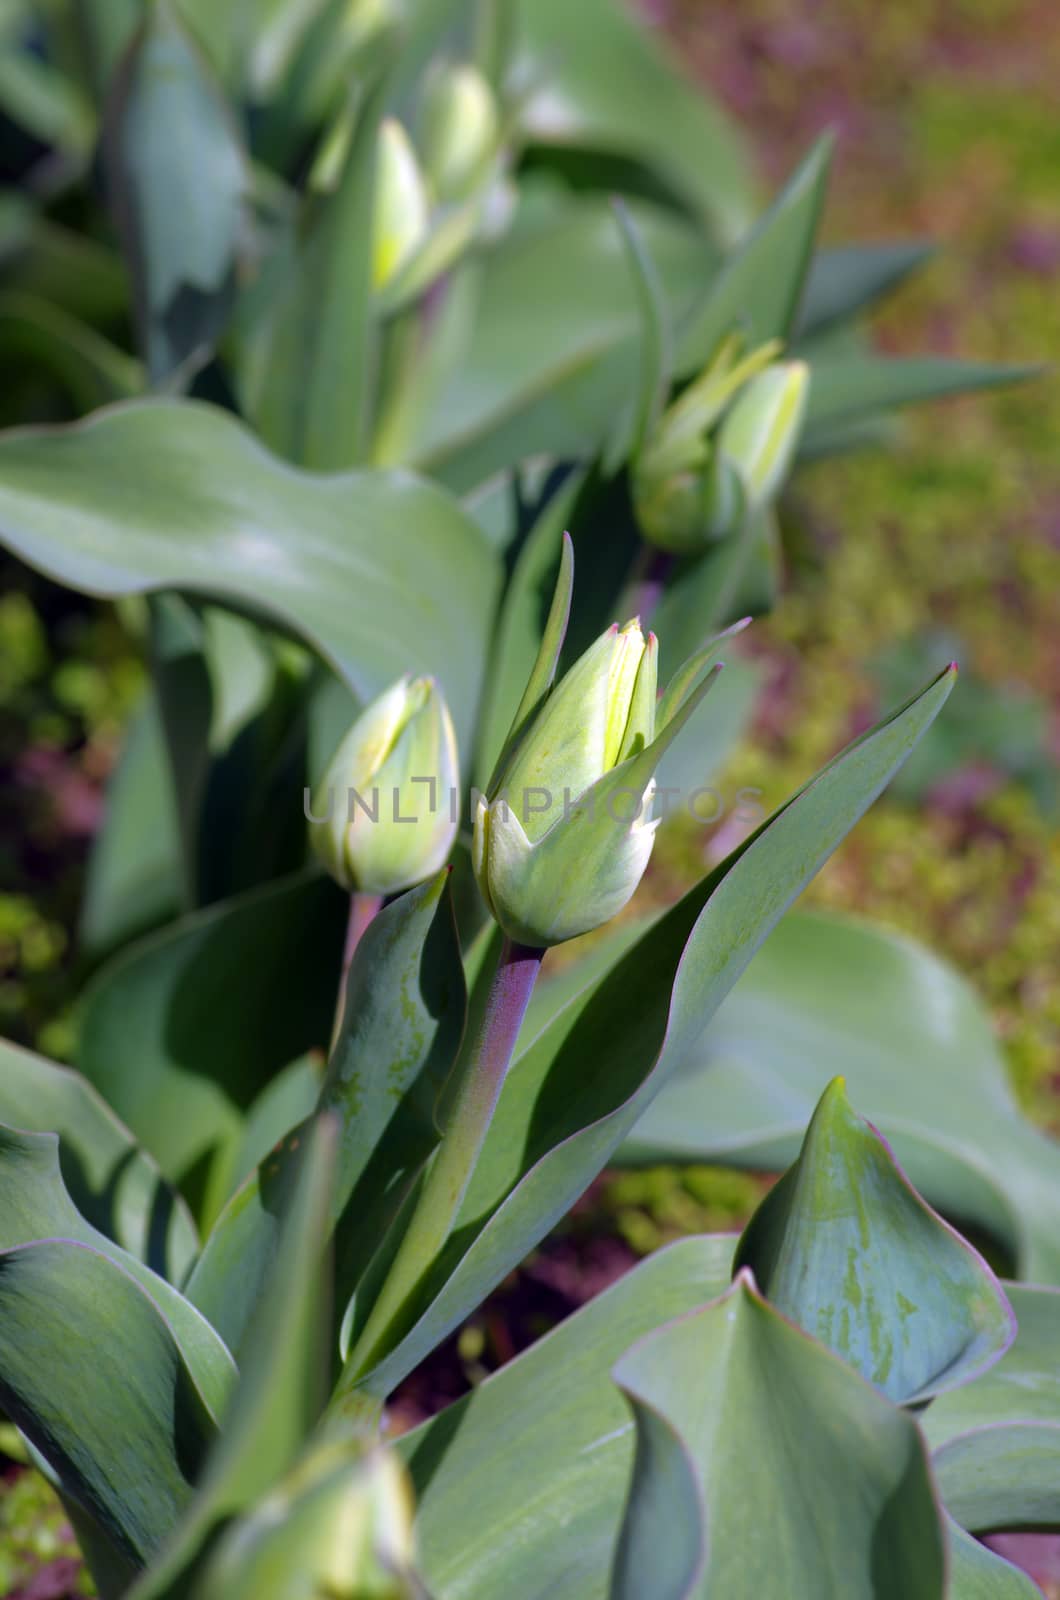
x=363 y=910
x=445 y=1185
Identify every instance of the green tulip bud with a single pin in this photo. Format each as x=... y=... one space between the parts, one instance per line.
x=682 y=495
x=459 y=130
x=563 y=836
x=332 y=1527
x=759 y=435
x=385 y=814
x=400 y=221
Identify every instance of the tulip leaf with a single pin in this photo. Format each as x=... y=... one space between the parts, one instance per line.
x=636 y=419
x=181 y=1031
x=176 y=178
x=1002 y=1477
x=845 y=1247
x=35 y=1205
x=166 y=495
x=977 y=1573
x=706 y=592
x=122 y=1378
x=918 y=1053
x=518 y=633
x=996 y=1441
x=306 y=382
x=759 y=288
x=847 y=279
x=543 y=383
x=278 y=1396
x=589 y=63
x=402 y=1025
x=116 y=1187
x=234 y=708
x=578 y=1088
x=520 y=1485
x=36 y=334
x=807 y=1480
x=854 y=389
x=135 y=871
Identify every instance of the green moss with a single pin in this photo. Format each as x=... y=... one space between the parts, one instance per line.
x=34 y=1533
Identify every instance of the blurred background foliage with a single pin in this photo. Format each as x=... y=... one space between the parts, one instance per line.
x=947 y=126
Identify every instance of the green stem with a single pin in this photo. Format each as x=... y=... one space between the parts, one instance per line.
x=447 y=1178
x=363 y=911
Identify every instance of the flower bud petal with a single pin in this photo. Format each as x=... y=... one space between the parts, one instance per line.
x=400 y=218
x=459 y=130
x=759 y=435
x=386 y=809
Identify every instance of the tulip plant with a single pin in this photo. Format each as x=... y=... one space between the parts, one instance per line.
x=407 y=318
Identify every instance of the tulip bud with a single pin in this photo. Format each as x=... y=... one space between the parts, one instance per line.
x=681 y=493
x=563 y=838
x=459 y=130
x=400 y=220
x=332 y=1527
x=385 y=815
x=759 y=435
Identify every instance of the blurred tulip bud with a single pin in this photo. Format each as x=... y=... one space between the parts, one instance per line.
x=680 y=506
x=759 y=435
x=459 y=130
x=400 y=223
x=563 y=837
x=385 y=815
x=334 y=1527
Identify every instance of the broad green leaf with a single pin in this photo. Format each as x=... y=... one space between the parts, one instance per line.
x=919 y=1057
x=589 y=64
x=164 y=495
x=542 y=379
x=176 y=182
x=996 y=1441
x=121 y=1379
x=845 y=1247
x=976 y=1573
x=135 y=871
x=278 y=1397
x=182 y=1030
x=35 y=1205
x=577 y=1089
x=759 y=288
x=847 y=392
x=114 y=1185
x=848 y=278
x=307 y=384
x=402 y=1024
x=808 y=1481
x=520 y=1485
x=1004 y=1476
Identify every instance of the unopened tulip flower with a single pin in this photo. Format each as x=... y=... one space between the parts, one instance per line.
x=385 y=814
x=562 y=839
x=401 y=215
x=679 y=499
x=758 y=436
x=459 y=130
